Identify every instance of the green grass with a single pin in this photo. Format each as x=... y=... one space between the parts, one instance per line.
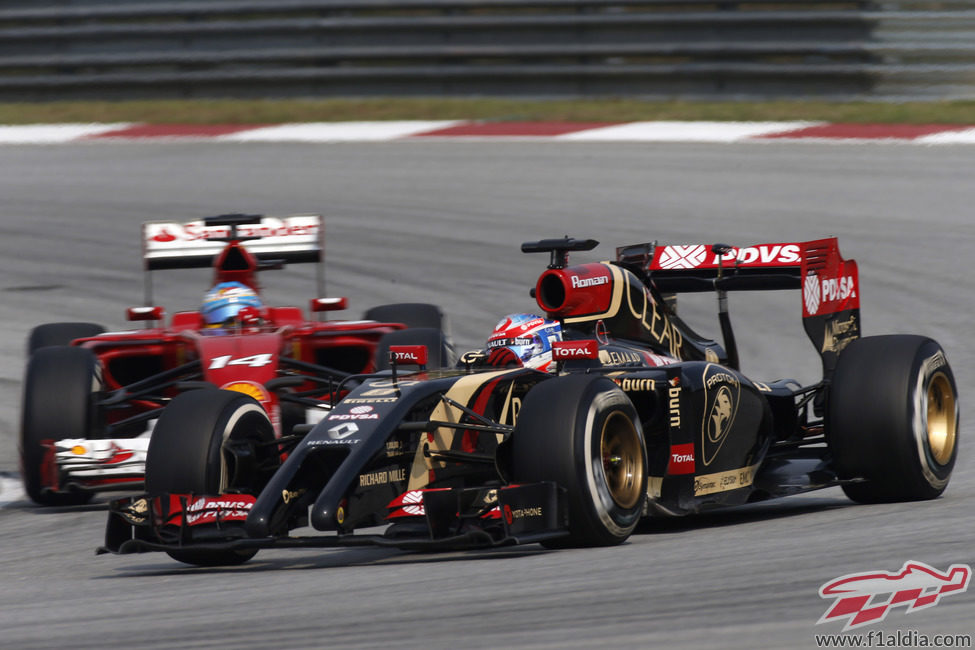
x=584 y=110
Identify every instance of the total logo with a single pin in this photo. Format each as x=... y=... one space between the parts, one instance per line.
x=566 y=350
x=356 y=413
x=681 y=459
x=416 y=354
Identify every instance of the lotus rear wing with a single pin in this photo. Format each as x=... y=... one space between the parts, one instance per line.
x=829 y=284
x=197 y=244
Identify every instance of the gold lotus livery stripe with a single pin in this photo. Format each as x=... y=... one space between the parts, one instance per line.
x=724 y=481
x=460 y=392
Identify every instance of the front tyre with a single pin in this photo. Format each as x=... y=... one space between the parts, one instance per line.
x=892 y=419
x=57 y=404
x=60 y=334
x=583 y=433
x=209 y=441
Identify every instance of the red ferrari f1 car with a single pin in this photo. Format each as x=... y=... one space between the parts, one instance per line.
x=91 y=397
x=569 y=427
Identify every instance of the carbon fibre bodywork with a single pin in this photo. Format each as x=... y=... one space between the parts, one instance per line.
x=433 y=454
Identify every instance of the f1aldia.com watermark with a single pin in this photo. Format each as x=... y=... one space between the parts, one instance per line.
x=897 y=639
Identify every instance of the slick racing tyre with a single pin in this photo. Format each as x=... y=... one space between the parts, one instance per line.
x=411 y=314
x=892 y=419
x=583 y=433
x=57 y=404
x=203 y=444
x=60 y=334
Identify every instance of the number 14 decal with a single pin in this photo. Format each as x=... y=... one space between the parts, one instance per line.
x=254 y=361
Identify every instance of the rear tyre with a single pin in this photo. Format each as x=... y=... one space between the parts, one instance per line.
x=200 y=445
x=583 y=433
x=892 y=419
x=57 y=403
x=411 y=314
x=60 y=334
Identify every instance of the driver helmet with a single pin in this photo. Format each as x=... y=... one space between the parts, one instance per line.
x=222 y=303
x=527 y=337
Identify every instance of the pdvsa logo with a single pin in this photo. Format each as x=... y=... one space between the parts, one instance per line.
x=838 y=288
x=356 y=413
x=695 y=256
x=817 y=292
x=683 y=257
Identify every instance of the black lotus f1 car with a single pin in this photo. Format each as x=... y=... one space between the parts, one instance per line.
x=641 y=417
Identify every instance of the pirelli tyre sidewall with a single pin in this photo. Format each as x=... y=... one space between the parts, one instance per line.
x=59 y=385
x=583 y=433
x=893 y=419
x=187 y=455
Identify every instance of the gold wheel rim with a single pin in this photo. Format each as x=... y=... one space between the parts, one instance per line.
x=622 y=459
x=941 y=418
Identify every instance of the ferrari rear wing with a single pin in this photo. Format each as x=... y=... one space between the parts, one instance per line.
x=272 y=241
x=194 y=244
x=829 y=284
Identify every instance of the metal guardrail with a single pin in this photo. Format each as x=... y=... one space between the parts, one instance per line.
x=690 y=48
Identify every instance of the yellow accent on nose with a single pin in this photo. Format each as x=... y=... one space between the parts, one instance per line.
x=79 y=450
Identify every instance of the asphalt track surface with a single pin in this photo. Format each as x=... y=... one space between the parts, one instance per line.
x=441 y=222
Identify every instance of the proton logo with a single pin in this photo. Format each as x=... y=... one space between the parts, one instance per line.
x=342 y=431
x=358 y=410
x=683 y=257
x=866 y=598
x=810 y=293
x=720 y=415
x=722 y=390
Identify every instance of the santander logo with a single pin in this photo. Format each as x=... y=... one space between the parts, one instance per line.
x=164 y=236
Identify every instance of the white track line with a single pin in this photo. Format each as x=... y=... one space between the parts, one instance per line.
x=338 y=131
x=949 y=137
x=53 y=133
x=684 y=131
